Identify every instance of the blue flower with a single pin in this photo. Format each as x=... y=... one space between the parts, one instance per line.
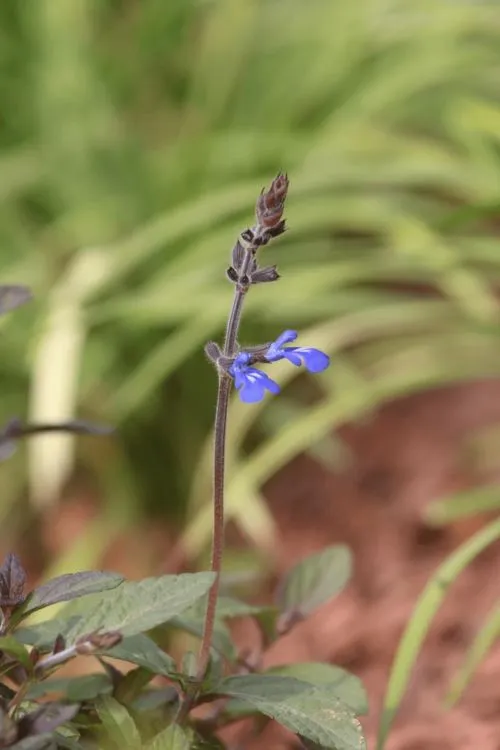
x=314 y=360
x=251 y=383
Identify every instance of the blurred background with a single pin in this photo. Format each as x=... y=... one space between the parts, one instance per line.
x=135 y=137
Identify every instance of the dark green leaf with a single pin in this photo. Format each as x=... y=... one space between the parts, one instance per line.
x=304 y=709
x=229 y=608
x=131 y=684
x=9 y=645
x=71 y=586
x=148 y=700
x=39 y=742
x=343 y=685
x=44 y=634
x=83 y=688
x=315 y=580
x=135 y=607
x=192 y=621
x=141 y=650
x=118 y=724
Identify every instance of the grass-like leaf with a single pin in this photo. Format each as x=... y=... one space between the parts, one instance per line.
x=419 y=623
x=482 y=643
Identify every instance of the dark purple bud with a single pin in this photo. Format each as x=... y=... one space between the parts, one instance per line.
x=247 y=236
x=89 y=644
x=271 y=203
x=212 y=350
x=263 y=275
x=238 y=255
x=278 y=229
x=232 y=274
x=12 y=581
x=59 y=644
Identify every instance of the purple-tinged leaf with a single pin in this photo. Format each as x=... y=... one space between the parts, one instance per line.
x=46 y=719
x=12 y=581
x=12 y=296
x=71 y=586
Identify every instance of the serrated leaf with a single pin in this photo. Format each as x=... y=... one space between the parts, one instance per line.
x=172 y=738
x=304 y=709
x=135 y=607
x=118 y=725
x=315 y=580
x=141 y=650
x=83 y=688
x=71 y=586
x=16 y=650
x=345 y=686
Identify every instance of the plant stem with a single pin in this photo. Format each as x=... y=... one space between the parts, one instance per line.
x=223 y=392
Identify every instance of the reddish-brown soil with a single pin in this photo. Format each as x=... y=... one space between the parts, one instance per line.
x=408 y=454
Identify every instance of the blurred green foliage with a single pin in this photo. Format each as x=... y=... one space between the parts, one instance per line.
x=135 y=138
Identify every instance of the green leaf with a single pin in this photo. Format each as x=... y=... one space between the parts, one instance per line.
x=345 y=686
x=9 y=645
x=141 y=650
x=83 y=688
x=418 y=625
x=483 y=642
x=118 y=724
x=172 y=738
x=135 y=607
x=43 y=634
x=305 y=709
x=39 y=742
x=192 y=621
x=71 y=586
x=315 y=580
x=229 y=608
x=130 y=685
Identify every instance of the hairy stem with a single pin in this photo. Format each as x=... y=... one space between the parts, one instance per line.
x=219 y=466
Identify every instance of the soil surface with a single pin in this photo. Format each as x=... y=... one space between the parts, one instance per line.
x=410 y=453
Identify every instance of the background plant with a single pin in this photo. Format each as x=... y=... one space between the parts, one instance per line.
x=318 y=702
x=132 y=142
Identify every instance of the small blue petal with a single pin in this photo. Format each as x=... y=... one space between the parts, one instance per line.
x=314 y=359
x=242 y=359
x=290 y=354
x=286 y=337
x=251 y=383
x=275 y=351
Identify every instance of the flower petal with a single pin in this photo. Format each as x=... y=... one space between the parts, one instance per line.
x=251 y=391
x=275 y=351
x=290 y=354
x=314 y=359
